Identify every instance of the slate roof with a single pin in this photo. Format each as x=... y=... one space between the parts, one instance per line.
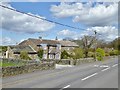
x=35 y=42
x=44 y=41
x=19 y=48
x=68 y=44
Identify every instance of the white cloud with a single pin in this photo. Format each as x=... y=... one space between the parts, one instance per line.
x=66 y=33
x=67 y=10
x=107 y=33
x=13 y=21
x=59 y=0
x=100 y=15
x=7 y=41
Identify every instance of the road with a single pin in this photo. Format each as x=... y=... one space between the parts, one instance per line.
x=92 y=75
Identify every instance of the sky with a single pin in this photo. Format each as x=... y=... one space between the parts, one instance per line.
x=90 y=16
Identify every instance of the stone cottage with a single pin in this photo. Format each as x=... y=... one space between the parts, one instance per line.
x=52 y=48
x=14 y=51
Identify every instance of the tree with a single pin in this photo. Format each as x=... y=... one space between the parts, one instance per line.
x=114 y=44
x=3 y=48
x=100 y=53
x=64 y=55
x=78 y=53
x=87 y=42
x=40 y=53
x=24 y=55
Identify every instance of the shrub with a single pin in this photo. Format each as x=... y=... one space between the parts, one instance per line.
x=24 y=55
x=111 y=53
x=114 y=52
x=107 y=54
x=100 y=54
x=64 y=55
x=91 y=54
x=118 y=52
x=78 y=53
x=40 y=53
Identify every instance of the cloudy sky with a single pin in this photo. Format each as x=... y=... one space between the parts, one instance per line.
x=90 y=16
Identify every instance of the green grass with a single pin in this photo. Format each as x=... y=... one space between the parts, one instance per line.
x=9 y=64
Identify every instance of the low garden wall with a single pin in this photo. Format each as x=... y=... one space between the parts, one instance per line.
x=10 y=71
x=82 y=61
x=63 y=61
x=71 y=61
x=18 y=60
x=31 y=66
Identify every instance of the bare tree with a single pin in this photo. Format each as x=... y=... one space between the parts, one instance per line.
x=87 y=42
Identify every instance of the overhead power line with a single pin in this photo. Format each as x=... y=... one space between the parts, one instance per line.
x=42 y=18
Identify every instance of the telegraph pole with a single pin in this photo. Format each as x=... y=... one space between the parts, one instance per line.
x=95 y=32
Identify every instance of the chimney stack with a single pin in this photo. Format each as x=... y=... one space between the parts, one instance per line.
x=56 y=38
x=40 y=38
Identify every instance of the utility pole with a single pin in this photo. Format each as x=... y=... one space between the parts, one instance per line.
x=95 y=32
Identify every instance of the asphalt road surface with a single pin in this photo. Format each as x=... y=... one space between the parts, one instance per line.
x=92 y=75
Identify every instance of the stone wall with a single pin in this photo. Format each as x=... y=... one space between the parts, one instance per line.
x=10 y=71
x=71 y=61
x=17 y=61
x=63 y=62
x=82 y=61
x=31 y=66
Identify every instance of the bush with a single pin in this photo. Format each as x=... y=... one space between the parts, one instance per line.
x=118 y=52
x=111 y=53
x=78 y=53
x=107 y=54
x=114 y=52
x=64 y=55
x=40 y=53
x=91 y=54
x=100 y=54
x=24 y=55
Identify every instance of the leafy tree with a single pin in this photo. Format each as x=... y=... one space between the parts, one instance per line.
x=114 y=44
x=64 y=55
x=3 y=48
x=40 y=53
x=100 y=53
x=78 y=53
x=24 y=55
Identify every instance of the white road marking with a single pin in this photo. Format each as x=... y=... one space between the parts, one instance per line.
x=89 y=76
x=96 y=65
x=104 y=66
x=66 y=86
x=101 y=66
x=106 y=69
x=114 y=65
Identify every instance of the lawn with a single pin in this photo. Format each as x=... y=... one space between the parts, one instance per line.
x=8 y=64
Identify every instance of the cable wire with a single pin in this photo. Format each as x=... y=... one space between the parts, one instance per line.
x=42 y=18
